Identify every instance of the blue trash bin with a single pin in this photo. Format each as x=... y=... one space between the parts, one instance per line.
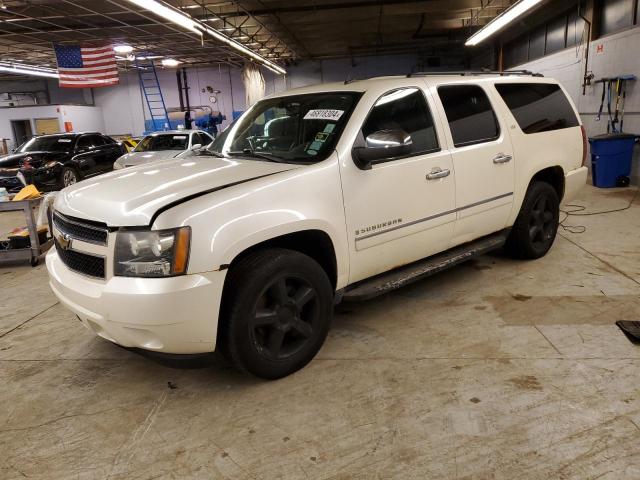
x=611 y=157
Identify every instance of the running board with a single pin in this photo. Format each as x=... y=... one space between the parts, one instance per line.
x=399 y=277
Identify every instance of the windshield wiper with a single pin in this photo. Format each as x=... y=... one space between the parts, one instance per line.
x=261 y=155
x=204 y=152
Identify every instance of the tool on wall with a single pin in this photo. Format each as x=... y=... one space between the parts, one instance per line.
x=618 y=84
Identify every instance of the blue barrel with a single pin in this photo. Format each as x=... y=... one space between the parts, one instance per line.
x=611 y=157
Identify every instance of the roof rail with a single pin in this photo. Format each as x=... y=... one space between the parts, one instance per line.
x=465 y=73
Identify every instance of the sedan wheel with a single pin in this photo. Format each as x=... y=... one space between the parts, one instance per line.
x=69 y=177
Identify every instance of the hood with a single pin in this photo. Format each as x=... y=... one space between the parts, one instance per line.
x=132 y=196
x=138 y=158
x=14 y=160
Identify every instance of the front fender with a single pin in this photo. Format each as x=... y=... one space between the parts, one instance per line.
x=227 y=222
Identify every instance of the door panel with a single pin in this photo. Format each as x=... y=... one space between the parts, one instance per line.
x=89 y=157
x=402 y=209
x=483 y=161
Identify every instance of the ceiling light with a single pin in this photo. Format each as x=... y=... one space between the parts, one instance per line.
x=274 y=67
x=28 y=70
x=123 y=48
x=171 y=14
x=509 y=15
x=176 y=16
x=170 y=62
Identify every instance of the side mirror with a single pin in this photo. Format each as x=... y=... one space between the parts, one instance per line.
x=381 y=145
x=197 y=146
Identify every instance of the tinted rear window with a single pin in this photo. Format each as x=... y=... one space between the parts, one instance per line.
x=470 y=115
x=538 y=107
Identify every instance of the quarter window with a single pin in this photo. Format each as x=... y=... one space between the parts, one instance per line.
x=538 y=107
x=469 y=113
x=404 y=109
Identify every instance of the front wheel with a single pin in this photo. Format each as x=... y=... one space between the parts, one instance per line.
x=277 y=310
x=68 y=177
x=537 y=224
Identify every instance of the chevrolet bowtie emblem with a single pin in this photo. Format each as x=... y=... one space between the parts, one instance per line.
x=63 y=240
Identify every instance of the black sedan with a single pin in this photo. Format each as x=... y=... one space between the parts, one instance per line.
x=52 y=162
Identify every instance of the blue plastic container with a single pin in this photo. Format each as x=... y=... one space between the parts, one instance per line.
x=611 y=157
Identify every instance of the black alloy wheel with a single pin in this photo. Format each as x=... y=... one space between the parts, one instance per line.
x=284 y=318
x=535 y=229
x=541 y=222
x=277 y=307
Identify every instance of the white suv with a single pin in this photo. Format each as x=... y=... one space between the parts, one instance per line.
x=317 y=195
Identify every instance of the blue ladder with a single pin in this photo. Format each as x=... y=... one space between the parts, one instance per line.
x=153 y=95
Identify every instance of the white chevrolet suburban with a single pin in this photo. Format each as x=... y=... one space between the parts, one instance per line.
x=314 y=196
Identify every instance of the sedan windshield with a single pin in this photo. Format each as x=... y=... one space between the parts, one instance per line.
x=157 y=143
x=297 y=128
x=58 y=143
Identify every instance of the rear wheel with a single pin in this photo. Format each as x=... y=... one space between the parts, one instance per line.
x=537 y=224
x=278 y=306
x=68 y=176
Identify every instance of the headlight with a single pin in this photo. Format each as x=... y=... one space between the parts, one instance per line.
x=148 y=253
x=117 y=166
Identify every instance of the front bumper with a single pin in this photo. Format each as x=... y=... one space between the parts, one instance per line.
x=44 y=177
x=171 y=315
x=573 y=182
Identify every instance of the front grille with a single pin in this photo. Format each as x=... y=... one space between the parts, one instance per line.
x=82 y=262
x=81 y=229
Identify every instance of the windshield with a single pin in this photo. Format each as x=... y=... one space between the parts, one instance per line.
x=218 y=143
x=48 y=144
x=297 y=128
x=157 y=143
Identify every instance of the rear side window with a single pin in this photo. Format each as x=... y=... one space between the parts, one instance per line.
x=538 y=107
x=404 y=109
x=469 y=113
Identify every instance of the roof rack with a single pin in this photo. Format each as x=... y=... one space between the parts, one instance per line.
x=465 y=73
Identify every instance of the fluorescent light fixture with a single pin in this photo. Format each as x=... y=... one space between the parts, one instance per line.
x=176 y=16
x=170 y=62
x=28 y=70
x=509 y=15
x=274 y=67
x=123 y=49
x=171 y=14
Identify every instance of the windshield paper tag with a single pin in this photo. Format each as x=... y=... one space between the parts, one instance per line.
x=64 y=140
x=324 y=114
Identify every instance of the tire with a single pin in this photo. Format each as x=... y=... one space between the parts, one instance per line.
x=535 y=228
x=276 y=313
x=69 y=176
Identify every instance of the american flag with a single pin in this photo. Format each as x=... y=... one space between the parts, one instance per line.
x=81 y=67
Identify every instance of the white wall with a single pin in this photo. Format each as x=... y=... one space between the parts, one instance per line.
x=83 y=118
x=121 y=107
x=619 y=57
x=23 y=113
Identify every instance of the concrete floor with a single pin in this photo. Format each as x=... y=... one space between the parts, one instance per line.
x=497 y=369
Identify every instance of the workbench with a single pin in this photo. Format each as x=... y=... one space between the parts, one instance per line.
x=36 y=249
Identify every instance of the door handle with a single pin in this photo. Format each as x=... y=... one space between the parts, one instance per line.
x=502 y=158
x=437 y=173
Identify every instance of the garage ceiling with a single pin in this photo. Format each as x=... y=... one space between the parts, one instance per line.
x=281 y=30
